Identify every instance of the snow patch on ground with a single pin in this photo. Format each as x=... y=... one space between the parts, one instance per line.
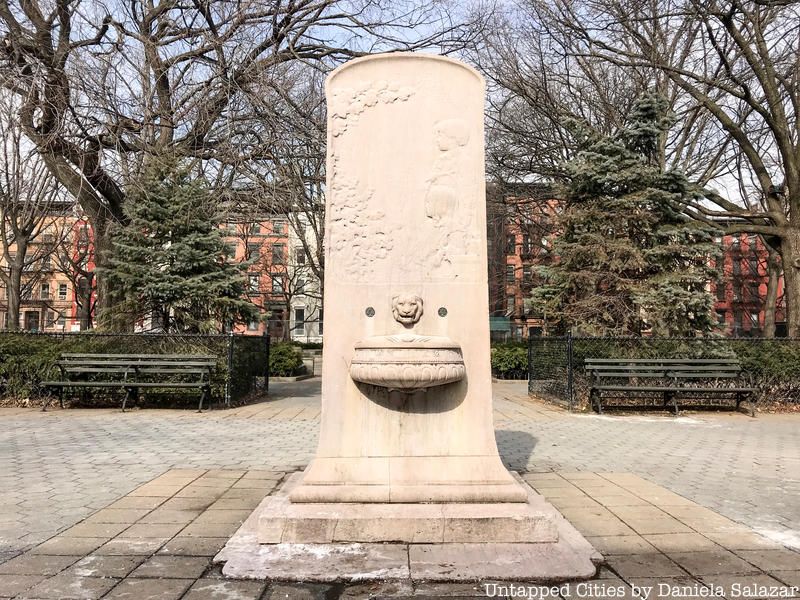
x=786 y=537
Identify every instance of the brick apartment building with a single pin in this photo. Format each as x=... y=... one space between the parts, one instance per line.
x=741 y=295
x=520 y=236
x=280 y=281
x=56 y=295
x=58 y=291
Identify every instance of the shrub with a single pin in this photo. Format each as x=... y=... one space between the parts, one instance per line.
x=510 y=361
x=309 y=345
x=285 y=360
x=770 y=365
x=27 y=359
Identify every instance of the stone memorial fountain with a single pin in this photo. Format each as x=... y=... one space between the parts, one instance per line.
x=407 y=480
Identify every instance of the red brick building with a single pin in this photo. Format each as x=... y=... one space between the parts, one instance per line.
x=520 y=235
x=741 y=296
x=520 y=238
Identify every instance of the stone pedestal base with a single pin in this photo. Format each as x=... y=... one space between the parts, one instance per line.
x=425 y=542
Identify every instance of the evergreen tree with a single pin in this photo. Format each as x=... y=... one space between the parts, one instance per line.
x=170 y=257
x=627 y=257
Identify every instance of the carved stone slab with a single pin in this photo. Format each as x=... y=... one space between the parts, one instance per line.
x=406 y=255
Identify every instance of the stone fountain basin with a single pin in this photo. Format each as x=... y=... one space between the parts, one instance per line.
x=407 y=363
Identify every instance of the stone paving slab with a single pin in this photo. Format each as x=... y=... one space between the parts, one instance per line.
x=673 y=564
x=714 y=473
x=56 y=468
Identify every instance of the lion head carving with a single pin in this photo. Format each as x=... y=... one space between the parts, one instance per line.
x=406 y=309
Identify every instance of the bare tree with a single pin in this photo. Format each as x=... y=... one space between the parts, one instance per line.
x=104 y=85
x=736 y=62
x=32 y=207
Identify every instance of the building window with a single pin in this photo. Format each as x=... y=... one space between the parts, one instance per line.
x=254 y=284
x=61 y=321
x=278 y=254
x=253 y=251
x=299 y=255
x=510 y=273
x=721 y=317
x=721 y=291
x=44 y=291
x=47 y=264
x=319 y=328
x=526 y=244
x=277 y=283
x=527 y=273
x=753 y=264
x=753 y=290
x=50 y=319
x=737 y=321
x=511 y=302
x=299 y=319
x=511 y=244
x=754 y=318
x=254 y=229
x=300 y=288
x=62 y=291
x=279 y=227
x=252 y=326
x=230 y=250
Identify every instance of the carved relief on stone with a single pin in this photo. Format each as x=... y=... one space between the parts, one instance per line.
x=348 y=103
x=407 y=309
x=450 y=136
x=453 y=226
x=359 y=234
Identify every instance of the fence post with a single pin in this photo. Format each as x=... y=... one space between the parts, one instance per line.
x=570 y=373
x=530 y=361
x=229 y=379
x=266 y=362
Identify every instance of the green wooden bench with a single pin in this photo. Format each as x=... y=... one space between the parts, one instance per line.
x=667 y=378
x=132 y=373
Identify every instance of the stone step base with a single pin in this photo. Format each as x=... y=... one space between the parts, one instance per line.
x=555 y=552
x=282 y=521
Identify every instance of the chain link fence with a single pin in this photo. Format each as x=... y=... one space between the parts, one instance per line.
x=27 y=359
x=556 y=364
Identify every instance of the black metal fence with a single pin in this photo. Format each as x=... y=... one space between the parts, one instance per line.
x=556 y=364
x=27 y=358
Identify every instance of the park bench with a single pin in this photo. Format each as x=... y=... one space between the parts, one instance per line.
x=132 y=373
x=668 y=378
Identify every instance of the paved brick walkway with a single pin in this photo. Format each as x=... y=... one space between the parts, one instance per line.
x=58 y=467
x=157 y=543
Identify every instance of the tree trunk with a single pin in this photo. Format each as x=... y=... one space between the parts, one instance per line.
x=773 y=274
x=108 y=297
x=790 y=257
x=14 y=292
x=15 y=269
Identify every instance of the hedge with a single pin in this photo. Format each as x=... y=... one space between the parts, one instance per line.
x=510 y=360
x=770 y=365
x=27 y=359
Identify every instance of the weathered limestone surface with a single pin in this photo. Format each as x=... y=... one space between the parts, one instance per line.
x=406 y=290
x=358 y=542
x=407 y=480
x=282 y=521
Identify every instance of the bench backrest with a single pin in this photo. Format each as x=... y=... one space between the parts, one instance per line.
x=141 y=363
x=711 y=368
